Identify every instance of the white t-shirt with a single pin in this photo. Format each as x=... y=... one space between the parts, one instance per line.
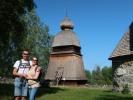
x=24 y=67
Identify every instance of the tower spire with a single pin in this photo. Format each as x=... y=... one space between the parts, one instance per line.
x=66 y=12
x=66 y=23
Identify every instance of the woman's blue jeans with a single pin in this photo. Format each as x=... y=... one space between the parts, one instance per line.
x=32 y=93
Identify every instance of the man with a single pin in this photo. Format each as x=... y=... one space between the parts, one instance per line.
x=21 y=67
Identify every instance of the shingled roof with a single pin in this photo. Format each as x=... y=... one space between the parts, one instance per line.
x=66 y=36
x=125 y=46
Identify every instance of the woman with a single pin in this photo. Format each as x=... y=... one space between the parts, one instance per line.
x=32 y=77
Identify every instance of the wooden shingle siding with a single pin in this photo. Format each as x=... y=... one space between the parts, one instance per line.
x=66 y=59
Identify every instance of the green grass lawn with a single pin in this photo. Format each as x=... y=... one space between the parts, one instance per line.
x=78 y=93
x=67 y=93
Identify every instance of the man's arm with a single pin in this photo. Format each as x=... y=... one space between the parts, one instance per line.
x=15 y=73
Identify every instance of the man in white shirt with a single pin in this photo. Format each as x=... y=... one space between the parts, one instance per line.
x=21 y=67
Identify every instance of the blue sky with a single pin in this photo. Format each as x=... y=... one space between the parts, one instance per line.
x=99 y=24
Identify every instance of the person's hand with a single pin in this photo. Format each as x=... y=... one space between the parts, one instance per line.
x=25 y=76
x=21 y=75
x=29 y=77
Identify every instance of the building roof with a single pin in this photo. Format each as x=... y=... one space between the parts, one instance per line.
x=66 y=23
x=125 y=46
x=66 y=36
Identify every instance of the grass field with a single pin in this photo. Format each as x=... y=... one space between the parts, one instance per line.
x=67 y=93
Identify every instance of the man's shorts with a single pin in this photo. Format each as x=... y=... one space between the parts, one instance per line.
x=21 y=87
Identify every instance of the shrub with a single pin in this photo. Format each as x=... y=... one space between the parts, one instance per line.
x=125 y=89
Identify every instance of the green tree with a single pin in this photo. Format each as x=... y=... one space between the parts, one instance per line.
x=97 y=77
x=89 y=77
x=37 y=39
x=107 y=74
x=11 y=30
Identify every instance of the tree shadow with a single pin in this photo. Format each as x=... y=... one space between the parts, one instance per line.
x=48 y=90
x=6 y=91
x=112 y=96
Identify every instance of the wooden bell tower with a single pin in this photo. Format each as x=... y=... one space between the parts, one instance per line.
x=66 y=64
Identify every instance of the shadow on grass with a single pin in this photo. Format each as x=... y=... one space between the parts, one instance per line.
x=113 y=97
x=6 y=91
x=109 y=95
x=49 y=90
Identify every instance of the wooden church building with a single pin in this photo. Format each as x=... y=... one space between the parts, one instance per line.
x=66 y=64
x=122 y=62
